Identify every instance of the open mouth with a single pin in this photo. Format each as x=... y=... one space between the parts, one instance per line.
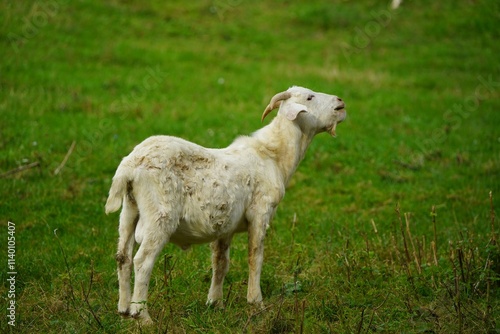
x=340 y=107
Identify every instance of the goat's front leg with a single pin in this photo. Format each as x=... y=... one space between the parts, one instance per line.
x=256 y=235
x=220 y=267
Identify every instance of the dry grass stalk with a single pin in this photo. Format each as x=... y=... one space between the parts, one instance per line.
x=433 y=215
x=433 y=246
x=376 y=231
x=492 y=220
x=417 y=261
x=302 y=317
x=20 y=169
x=66 y=157
x=407 y=253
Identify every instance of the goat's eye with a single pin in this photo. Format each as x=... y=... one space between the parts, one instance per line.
x=310 y=97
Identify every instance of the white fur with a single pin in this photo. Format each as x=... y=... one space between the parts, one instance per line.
x=175 y=191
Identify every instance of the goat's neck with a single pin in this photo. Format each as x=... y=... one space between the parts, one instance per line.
x=284 y=142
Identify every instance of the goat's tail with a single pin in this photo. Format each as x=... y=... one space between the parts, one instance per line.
x=118 y=189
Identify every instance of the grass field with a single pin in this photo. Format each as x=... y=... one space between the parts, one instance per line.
x=390 y=227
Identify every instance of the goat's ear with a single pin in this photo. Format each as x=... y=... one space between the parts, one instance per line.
x=292 y=109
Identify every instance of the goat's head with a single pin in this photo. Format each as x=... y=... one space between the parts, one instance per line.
x=321 y=111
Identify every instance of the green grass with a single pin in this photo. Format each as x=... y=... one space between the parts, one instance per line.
x=422 y=89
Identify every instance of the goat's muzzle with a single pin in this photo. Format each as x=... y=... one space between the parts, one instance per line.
x=341 y=106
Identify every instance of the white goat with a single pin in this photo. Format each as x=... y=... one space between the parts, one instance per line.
x=174 y=190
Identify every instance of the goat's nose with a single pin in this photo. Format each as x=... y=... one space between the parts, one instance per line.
x=340 y=104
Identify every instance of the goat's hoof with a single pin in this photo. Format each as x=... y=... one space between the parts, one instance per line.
x=146 y=321
x=124 y=314
x=257 y=305
x=142 y=318
x=216 y=304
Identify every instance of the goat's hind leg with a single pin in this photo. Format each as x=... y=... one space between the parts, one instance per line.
x=128 y=221
x=154 y=237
